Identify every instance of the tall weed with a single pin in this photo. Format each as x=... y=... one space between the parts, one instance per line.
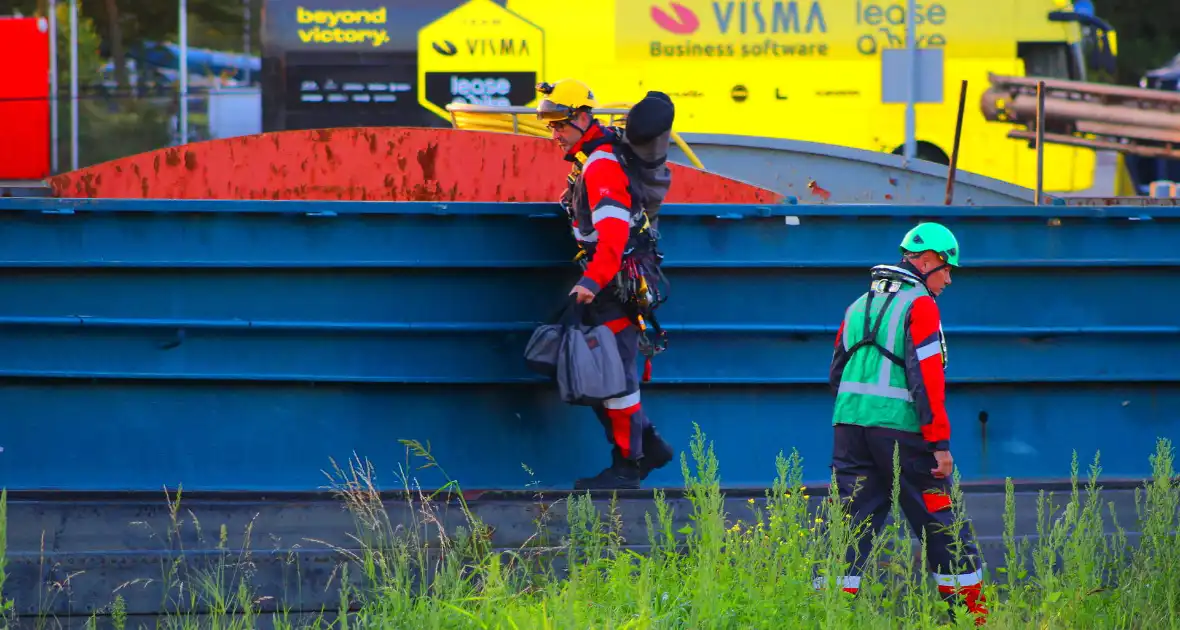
x=772 y=565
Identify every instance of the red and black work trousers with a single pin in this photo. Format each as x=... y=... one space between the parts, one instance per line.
x=623 y=417
x=862 y=458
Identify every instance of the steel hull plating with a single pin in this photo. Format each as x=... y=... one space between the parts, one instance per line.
x=227 y=345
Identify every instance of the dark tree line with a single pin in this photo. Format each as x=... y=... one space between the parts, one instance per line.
x=1148 y=34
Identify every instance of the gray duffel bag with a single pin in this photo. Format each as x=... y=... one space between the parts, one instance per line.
x=584 y=359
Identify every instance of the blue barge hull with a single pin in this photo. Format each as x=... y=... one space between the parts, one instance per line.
x=243 y=345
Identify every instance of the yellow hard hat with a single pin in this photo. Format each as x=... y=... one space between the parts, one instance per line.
x=560 y=100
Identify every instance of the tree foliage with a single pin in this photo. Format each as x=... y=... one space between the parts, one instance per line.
x=212 y=23
x=1148 y=34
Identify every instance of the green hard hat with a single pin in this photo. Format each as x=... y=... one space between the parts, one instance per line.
x=932 y=237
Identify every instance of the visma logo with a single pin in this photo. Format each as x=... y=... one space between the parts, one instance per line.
x=447 y=49
x=685 y=22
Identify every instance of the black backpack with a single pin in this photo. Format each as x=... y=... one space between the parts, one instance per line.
x=641 y=147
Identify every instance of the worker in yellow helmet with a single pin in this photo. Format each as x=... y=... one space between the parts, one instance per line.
x=570 y=103
x=606 y=222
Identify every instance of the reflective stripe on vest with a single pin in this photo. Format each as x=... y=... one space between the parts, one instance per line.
x=882 y=387
x=609 y=210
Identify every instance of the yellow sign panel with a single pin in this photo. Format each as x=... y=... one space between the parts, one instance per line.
x=349 y=26
x=788 y=30
x=479 y=53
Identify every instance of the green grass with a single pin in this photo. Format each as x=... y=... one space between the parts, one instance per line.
x=749 y=570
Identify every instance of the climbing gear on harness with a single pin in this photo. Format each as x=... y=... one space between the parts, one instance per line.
x=641 y=149
x=641 y=299
x=640 y=286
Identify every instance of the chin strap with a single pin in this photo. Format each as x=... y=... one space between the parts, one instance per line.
x=909 y=268
x=931 y=272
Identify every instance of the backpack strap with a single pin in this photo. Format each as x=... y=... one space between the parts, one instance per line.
x=638 y=283
x=634 y=158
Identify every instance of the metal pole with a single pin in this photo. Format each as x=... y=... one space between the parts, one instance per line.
x=246 y=39
x=74 y=85
x=1040 y=191
x=911 y=123
x=183 y=72
x=950 y=178
x=53 y=87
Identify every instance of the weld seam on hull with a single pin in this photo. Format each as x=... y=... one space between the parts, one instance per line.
x=1063 y=263
x=435 y=380
x=328 y=210
x=518 y=327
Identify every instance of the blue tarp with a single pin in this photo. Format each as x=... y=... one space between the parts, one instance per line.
x=200 y=60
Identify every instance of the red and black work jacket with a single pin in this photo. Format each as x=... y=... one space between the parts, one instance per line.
x=603 y=216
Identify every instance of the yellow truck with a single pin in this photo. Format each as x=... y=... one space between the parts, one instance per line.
x=797 y=69
x=794 y=69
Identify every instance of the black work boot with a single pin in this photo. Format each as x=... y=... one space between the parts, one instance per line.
x=656 y=452
x=623 y=474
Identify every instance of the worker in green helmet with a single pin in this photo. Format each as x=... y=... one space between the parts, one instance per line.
x=887 y=374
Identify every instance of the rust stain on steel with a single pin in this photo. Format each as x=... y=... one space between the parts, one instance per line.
x=426 y=161
x=818 y=190
x=374 y=164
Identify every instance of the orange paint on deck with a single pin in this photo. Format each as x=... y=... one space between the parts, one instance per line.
x=367 y=164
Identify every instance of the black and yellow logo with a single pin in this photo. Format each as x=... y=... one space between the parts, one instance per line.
x=500 y=63
x=739 y=93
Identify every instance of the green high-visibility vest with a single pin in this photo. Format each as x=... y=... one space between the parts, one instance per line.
x=873 y=389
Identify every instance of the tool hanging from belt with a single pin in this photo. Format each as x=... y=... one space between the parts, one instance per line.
x=638 y=282
x=637 y=285
x=647 y=298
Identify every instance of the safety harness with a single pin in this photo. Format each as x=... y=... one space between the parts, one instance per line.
x=640 y=285
x=889 y=280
